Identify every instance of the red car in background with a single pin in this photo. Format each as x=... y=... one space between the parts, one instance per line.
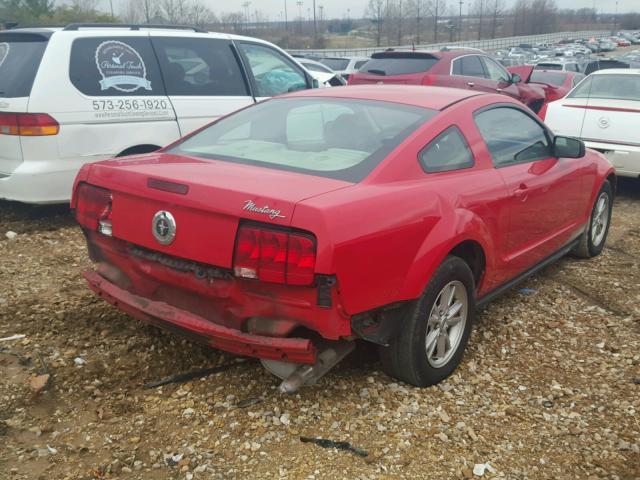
x=556 y=84
x=466 y=69
x=287 y=230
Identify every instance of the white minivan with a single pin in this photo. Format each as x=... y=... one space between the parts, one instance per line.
x=83 y=93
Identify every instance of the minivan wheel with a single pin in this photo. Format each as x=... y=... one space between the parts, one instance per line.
x=434 y=334
x=595 y=235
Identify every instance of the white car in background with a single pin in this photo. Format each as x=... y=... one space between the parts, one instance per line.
x=325 y=76
x=345 y=66
x=604 y=111
x=84 y=93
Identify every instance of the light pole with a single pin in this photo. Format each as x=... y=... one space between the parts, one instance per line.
x=460 y=22
x=315 y=25
x=286 y=23
x=615 y=19
x=111 y=5
x=299 y=3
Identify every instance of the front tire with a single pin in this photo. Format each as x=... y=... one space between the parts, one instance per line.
x=595 y=235
x=434 y=334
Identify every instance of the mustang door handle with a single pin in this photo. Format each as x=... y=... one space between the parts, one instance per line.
x=471 y=84
x=521 y=192
x=498 y=90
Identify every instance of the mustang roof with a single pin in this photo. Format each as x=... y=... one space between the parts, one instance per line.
x=435 y=98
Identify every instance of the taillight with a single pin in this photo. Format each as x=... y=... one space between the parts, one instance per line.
x=28 y=124
x=427 y=80
x=93 y=208
x=274 y=255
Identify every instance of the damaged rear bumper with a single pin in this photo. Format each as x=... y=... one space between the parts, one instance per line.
x=194 y=327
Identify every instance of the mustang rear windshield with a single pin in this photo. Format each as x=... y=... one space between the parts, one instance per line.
x=20 y=56
x=398 y=63
x=336 y=138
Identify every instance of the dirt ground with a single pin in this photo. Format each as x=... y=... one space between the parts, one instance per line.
x=549 y=387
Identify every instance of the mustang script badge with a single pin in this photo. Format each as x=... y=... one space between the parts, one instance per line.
x=121 y=67
x=266 y=210
x=163 y=227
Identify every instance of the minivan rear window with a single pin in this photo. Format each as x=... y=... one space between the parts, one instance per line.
x=115 y=66
x=327 y=137
x=400 y=63
x=20 y=56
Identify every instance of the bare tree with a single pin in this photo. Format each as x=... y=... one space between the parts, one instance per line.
x=497 y=11
x=438 y=8
x=199 y=14
x=478 y=10
x=131 y=12
x=174 y=11
x=376 y=12
x=418 y=9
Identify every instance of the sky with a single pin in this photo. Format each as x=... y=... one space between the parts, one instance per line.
x=338 y=8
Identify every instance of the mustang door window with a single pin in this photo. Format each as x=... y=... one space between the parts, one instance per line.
x=512 y=136
x=199 y=66
x=20 y=56
x=448 y=151
x=273 y=73
x=114 y=67
x=342 y=139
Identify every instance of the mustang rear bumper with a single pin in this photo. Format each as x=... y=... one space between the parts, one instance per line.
x=296 y=350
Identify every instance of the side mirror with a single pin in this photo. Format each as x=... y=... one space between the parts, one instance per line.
x=515 y=78
x=315 y=83
x=567 y=147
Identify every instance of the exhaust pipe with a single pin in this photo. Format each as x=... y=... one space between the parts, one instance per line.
x=295 y=375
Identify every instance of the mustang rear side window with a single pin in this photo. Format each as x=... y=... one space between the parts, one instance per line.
x=335 y=138
x=448 y=151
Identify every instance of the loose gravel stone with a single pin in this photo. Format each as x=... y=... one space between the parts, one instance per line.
x=548 y=388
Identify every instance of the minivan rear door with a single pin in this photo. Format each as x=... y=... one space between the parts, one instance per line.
x=20 y=56
x=203 y=77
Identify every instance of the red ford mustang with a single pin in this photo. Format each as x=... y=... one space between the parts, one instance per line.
x=289 y=229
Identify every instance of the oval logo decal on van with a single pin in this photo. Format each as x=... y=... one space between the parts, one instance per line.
x=4 y=52
x=121 y=67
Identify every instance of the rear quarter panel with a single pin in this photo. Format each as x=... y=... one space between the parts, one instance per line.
x=385 y=237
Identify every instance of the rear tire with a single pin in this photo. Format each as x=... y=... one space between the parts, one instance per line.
x=434 y=334
x=595 y=235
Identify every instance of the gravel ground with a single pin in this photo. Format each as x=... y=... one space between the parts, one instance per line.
x=549 y=387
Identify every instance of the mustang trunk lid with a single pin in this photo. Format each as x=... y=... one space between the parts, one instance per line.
x=218 y=195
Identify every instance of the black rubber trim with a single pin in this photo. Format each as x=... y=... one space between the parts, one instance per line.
x=493 y=294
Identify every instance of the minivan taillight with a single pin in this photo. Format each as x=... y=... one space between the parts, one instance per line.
x=28 y=124
x=93 y=208
x=275 y=256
